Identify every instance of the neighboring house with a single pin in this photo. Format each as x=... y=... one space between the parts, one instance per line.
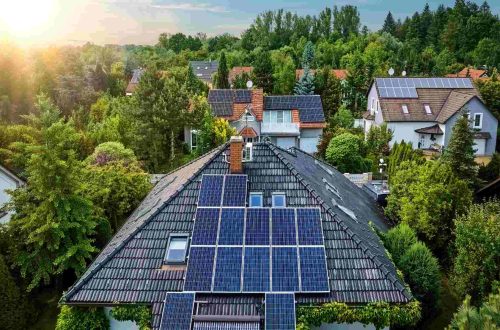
x=424 y=110
x=469 y=73
x=205 y=70
x=288 y=121
x=238 y=71
x=339 y=73
x=219 y=236
x=134 y=81
x=8 y=181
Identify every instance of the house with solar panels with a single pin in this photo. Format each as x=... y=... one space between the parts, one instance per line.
x=424 y=110
x=204 y=70
x=239 y=239
x=285 y=120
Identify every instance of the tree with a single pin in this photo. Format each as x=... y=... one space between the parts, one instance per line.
x=486 y=317
x=487 y=53
x=490 y=94
x=377 y=140
x=331 y=95
x=342 y=118
x=240 y=81
x=263 y=72
x=344 y=152
x=305 y=85
x=460 y=152
x=79 y=318
x=53 y=224
x=222 y=77
x=427 y=197
x=477 y=245
x=398 y=240
x=346 y=21
x=389 y=24
x=308 y=55
x=12 y=313
x=284 y=72
x=491 y=171
x=401 y=152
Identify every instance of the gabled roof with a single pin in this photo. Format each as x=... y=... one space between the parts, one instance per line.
x=469 y=72
x=232 y=103
x=339 y=73
x=237 y=71
x=204 y=69
x=454 y=102
x=11 y=176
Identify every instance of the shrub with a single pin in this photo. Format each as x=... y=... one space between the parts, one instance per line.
x=77 y=318
x=11 y=301
x=141 y=315
x=344 y=152
x=398 y=240
x=421 y=270
x=486 y=317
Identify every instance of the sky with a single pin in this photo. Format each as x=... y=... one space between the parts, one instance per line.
x=41 y=22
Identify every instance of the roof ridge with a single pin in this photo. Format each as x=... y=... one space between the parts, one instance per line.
x=355 y=237
x=71 y=291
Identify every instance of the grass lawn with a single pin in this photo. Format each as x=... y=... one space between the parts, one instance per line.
x=46 y=303
x=448 y=305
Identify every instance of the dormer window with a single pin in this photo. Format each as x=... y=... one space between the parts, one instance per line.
x=176 y=249
x=404 y=107
x=428 y=109
x=279 y=199
x=248 y=152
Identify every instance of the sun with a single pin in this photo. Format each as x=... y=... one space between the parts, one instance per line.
x=24 y=18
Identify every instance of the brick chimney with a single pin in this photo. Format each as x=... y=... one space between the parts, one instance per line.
x=235 y=159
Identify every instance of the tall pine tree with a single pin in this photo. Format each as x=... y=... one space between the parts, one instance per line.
x=222 y=77
x=389 y=24
x=305 y=85
x=263 y=72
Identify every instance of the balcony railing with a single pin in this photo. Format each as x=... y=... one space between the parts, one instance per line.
x=280 y=128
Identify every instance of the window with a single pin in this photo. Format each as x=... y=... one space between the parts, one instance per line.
x=247 y=152
x=194 y=138
x=427 y=109
x=405 y=109
x=279 y=200
x=478 y=120
x=256 y=199
x=376 y=107
x=279 y=117
x=176 y=248
x=372 y=103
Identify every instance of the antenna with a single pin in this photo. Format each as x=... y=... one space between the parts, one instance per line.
x=403 y=73
x=391 y=72
x=249 y=84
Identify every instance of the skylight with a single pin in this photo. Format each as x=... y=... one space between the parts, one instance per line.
x=427 y=109
x=404 y=107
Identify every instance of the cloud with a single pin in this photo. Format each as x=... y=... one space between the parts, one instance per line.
x=191 y=7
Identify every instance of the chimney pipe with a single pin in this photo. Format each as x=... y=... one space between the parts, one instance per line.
x=235 y=159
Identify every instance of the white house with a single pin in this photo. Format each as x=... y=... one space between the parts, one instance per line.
x=8 y=181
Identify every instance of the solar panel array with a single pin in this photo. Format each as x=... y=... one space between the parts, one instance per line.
x=309 y=106
x=407 y=87
x=221 y=100
x=177 y=311
x=280 y=311
x=239 y=249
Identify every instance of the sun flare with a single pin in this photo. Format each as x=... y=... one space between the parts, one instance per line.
x=24 y=18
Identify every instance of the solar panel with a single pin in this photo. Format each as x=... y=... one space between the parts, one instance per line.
x=280 y=311
x=235 y=190
x=242 y=96
x=257 y=227
x=283 y=226
x=256 y=269
x=231 y=226
x=211 y=190
x=220 y=95
x=200 y=269
x=228 y=269
x=392 y=87
x=309 y=227
x=313 y=272
x=177 y=311
x=222 y=108
x=285 y=275
x=206 y=225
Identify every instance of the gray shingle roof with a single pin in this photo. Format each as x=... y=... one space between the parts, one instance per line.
x=204 y=69
x=129 y=268
x=309 y=106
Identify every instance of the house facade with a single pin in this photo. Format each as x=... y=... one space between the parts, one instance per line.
x=224 y=240
x=287 y=121
x=8 y=181
x=424 y=110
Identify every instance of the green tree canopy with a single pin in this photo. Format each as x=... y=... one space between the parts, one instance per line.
x=12 y=313
x=222 y=77
x=344 y=152
x=486 y=317
x=262 y=73
x=305 y=84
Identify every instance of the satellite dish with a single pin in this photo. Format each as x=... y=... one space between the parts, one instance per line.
x=403 y=73
x=249 y=84
x=391 y=71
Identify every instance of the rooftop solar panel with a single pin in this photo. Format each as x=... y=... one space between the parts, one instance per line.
x=231 y=226
x=222 y=109
x=228 y=269
x=206 y=225
x=235 y=190
x=280 y=311
x=220 y=95
x=211 y=190
x=285 y=274
x=177 y=311
x=200 y=269
x=242 y=96
x=257 y=226
x=256 y=269
x=309 y=227
x=283 y=226
x=313 y=271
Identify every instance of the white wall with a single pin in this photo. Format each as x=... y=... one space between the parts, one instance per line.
x=119 y=325
x=406 y=131
x=346 y=326
x=6 y=183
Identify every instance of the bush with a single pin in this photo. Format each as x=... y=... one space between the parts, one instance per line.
x=141 y=315
x=78 y=318
x=421 y=270
x=110 y=152
x=398 y=240
x=12 y=304
x=344 y=152
x=487 y=317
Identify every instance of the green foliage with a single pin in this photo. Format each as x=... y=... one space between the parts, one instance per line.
x=377 y=140
x=12 y=313
x=460 y=151
x=427 y=197
x=308 y=55
x=491 y=171
x=343 y=118
x=284 y=72
x=305 y=84
x=141 y=315
x=490 y=94
x=398 y=240
x=79 y=318
x=262 y=74
x=222 y=77
x=477 y=245
x=111 y=152
x=400 y=152
x=380 y=314
x=240 y=81
x=421 y=271
x=331 y=94
x=486 y=317
x=344 y=152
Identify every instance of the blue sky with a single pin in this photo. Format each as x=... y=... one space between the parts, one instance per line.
x=141 y=21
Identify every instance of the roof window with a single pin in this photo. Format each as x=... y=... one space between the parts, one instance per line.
x=404 y=107
x=256 y=199
x=428 y=109
x=279 y=199
x=176 y=249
